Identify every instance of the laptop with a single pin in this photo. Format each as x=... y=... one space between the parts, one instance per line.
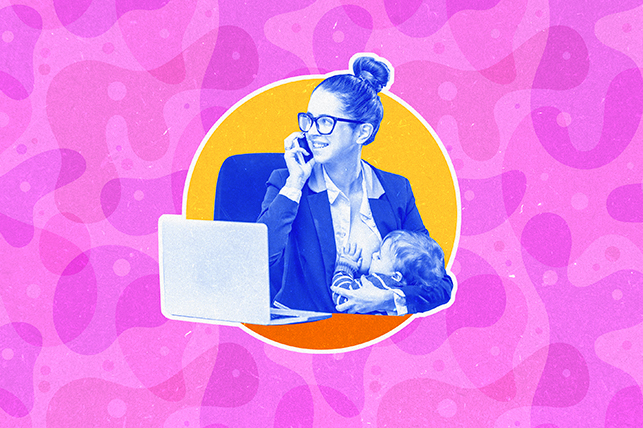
x=217 y=272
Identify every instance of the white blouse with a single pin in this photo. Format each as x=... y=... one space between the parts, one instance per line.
x=352 y=226
x=355 y=225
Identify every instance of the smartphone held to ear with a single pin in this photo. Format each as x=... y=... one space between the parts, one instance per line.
x=303 y=143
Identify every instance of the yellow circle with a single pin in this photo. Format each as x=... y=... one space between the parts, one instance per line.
x=403 y=145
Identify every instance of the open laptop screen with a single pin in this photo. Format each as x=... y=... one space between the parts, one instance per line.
x=214 y=270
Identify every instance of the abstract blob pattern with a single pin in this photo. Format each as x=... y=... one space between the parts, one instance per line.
x=538 y=104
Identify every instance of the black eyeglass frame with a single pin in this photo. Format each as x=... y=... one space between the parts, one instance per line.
x=313 y=120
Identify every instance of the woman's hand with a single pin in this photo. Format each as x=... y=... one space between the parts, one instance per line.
x=298 y=169
x=365 y=299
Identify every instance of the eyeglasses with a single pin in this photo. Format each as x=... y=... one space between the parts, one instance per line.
x=325 y=123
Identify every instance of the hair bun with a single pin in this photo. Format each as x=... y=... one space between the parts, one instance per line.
x=373 y=72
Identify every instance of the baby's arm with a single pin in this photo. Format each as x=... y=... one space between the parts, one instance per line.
x=345 y=270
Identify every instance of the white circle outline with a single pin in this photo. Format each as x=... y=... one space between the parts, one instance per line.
x=445 y=155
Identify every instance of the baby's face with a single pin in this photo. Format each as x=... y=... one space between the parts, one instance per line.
x=383 y=260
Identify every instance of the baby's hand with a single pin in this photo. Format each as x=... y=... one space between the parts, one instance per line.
x=352 y=252
x=351 y=257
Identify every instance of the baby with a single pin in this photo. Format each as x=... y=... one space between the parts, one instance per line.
x=408 y=263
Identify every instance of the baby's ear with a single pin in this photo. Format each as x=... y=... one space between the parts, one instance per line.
x=397 y=276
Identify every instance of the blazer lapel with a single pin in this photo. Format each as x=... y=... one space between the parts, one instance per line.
x=320 y=213
x=383 y=209
x=384 y=216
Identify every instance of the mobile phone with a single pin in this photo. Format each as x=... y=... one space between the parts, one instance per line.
x=303 y=143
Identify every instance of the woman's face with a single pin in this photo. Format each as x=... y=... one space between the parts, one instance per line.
x=342 y=142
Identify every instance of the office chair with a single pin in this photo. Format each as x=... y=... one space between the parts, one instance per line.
x=242 y=184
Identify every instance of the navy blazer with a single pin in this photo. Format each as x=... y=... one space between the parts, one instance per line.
x=302 y=244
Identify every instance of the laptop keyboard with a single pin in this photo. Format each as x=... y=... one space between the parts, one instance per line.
x=274 y=316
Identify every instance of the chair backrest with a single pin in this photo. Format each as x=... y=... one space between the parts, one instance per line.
x=241 y=185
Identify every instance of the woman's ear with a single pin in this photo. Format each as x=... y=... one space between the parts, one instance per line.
x=397 y=276
x=364 y=132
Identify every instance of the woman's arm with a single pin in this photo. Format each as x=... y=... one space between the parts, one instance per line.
x=412 y=219
x=368 y=298
x=278 y=213
x=423 y=298
x=281 y=201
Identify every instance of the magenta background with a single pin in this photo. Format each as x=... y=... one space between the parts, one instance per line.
x=103 y=104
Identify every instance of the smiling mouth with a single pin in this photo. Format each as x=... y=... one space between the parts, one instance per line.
x=318 y=145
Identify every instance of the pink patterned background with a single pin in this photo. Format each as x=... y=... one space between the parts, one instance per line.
x=103 y=103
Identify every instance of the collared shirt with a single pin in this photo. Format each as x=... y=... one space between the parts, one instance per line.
x=364 y=231
x=360 y=229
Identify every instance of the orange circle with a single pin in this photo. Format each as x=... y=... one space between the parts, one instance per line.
x=404 y=145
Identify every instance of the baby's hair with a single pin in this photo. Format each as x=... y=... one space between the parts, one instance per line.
x=418 y=257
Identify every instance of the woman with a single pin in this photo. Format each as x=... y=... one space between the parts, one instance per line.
x=315 y=207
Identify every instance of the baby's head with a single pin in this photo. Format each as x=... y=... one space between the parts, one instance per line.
x=412 y=257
